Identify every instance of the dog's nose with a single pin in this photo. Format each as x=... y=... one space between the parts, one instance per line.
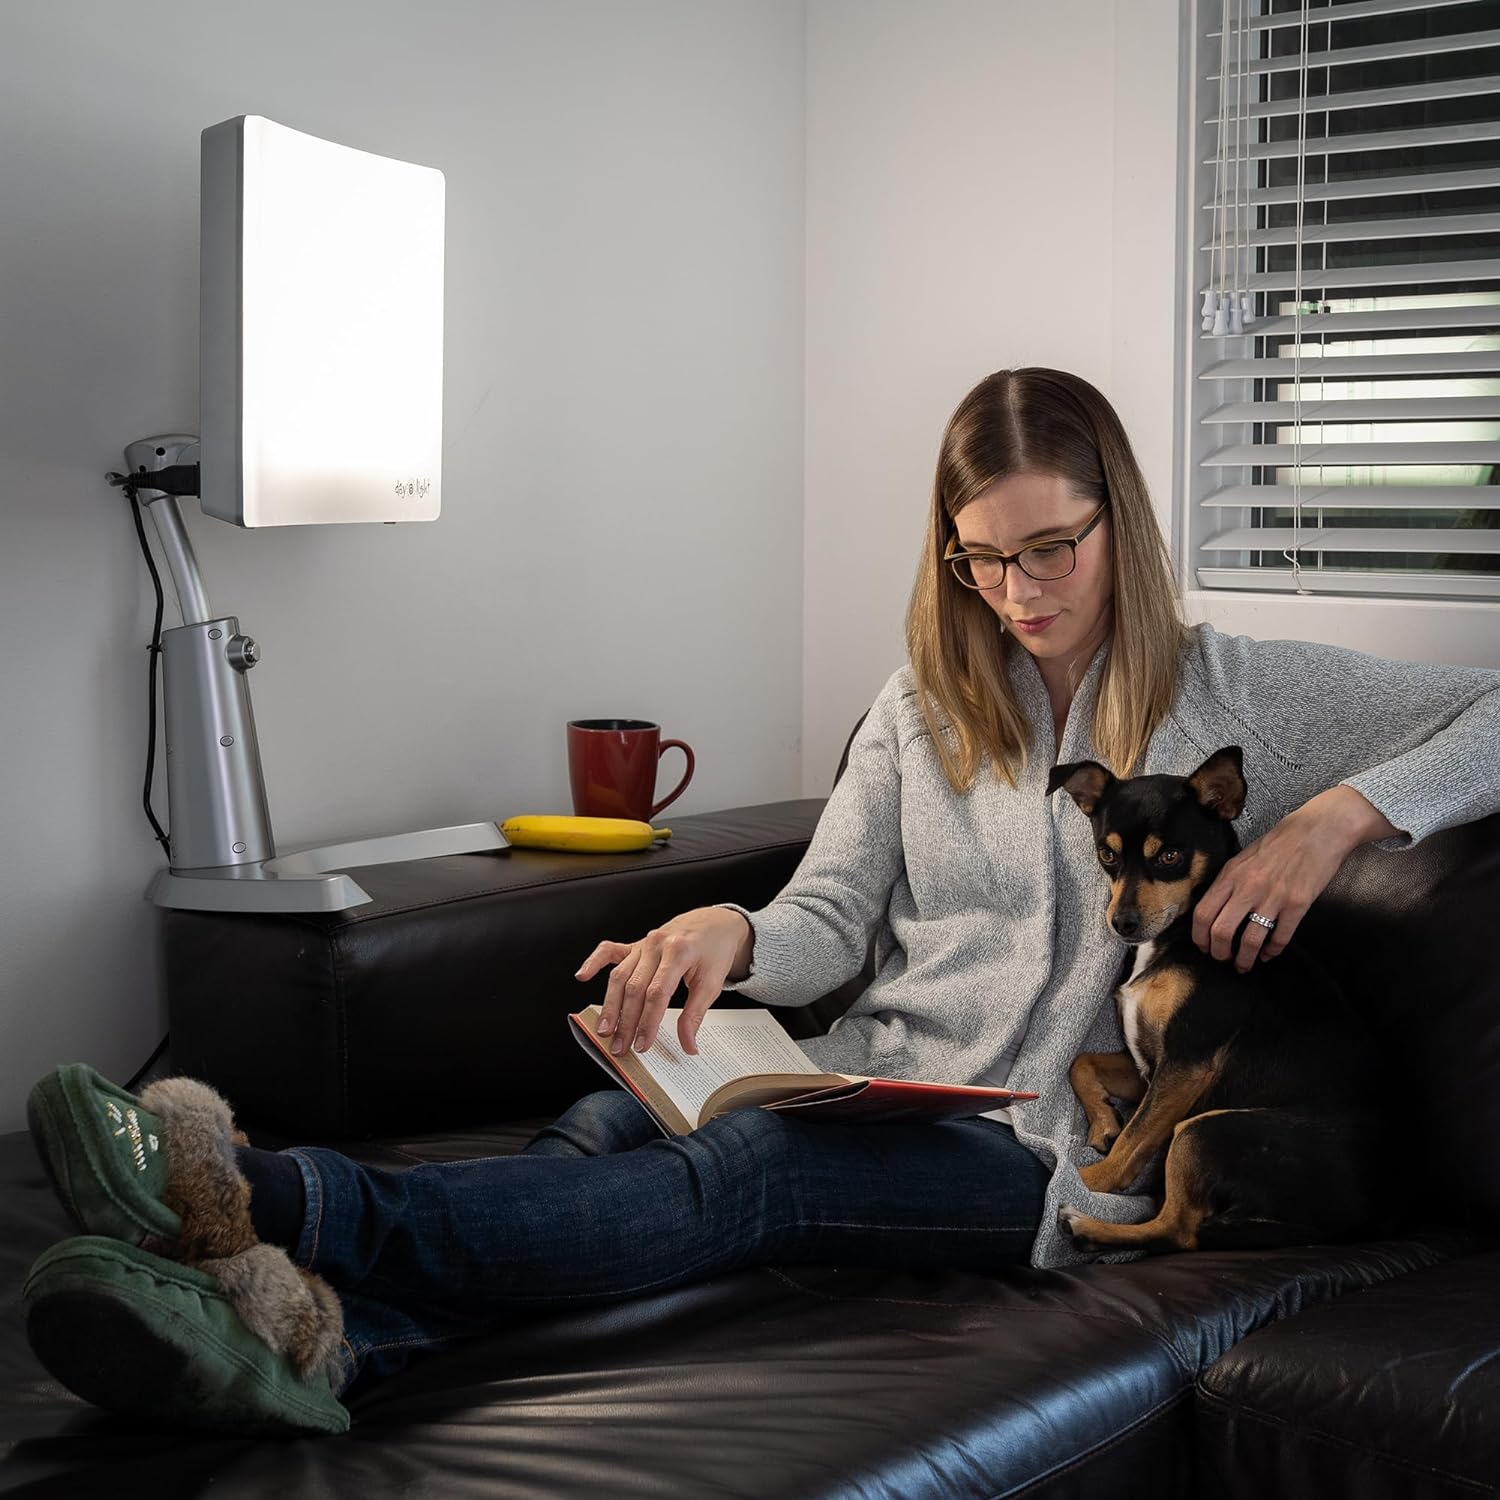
x=1126 y=924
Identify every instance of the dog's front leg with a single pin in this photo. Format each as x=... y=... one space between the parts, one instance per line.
x=1170 y=1097
x=1096 y=1078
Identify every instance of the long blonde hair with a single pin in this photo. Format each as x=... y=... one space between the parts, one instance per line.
x=1040 y=421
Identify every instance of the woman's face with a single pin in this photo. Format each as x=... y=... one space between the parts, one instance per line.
x=1024 y=508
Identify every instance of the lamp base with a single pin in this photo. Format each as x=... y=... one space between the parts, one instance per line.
x=311 y=880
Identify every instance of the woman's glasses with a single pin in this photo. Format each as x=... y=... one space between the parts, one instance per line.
x=1044 y=561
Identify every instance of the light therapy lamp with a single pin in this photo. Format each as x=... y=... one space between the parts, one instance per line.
x=320 y=377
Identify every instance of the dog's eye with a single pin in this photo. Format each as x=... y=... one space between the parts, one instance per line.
x=1106 y=856
x=1169 y=856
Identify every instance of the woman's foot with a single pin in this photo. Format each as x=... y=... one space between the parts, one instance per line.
x=171 y=1345
x=158 y=1170
x=169 y=1305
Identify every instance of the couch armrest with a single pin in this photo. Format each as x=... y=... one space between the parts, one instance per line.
x=443 y=1002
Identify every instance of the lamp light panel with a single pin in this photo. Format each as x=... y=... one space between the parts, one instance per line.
x=321 y=330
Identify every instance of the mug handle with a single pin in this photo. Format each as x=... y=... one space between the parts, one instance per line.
x=687 y=775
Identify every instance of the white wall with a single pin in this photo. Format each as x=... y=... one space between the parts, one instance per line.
x=989 y=185
x=622 y=518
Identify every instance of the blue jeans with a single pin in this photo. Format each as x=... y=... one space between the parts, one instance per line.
x=600 y=1206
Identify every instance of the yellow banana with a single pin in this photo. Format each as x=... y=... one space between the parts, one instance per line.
x=581 y=835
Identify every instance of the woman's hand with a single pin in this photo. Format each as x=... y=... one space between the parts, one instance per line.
x=1281 y=874
x=704 y=946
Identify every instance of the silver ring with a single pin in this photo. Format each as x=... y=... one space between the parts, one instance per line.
x=1266 y=922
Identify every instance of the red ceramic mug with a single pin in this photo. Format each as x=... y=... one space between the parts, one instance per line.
x=612 y=764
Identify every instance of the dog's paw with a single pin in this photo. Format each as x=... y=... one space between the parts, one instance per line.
x=1102 y=1140
x=1074 y=1226
x=1098 y=1177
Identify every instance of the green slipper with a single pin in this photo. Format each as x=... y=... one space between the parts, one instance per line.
x=158 y=1170
x=170 y=1345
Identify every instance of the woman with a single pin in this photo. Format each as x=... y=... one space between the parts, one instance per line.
x=1044 y=627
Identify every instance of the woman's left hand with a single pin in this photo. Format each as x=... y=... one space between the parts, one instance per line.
x=1279 y=876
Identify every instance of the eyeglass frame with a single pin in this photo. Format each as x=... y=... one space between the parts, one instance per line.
x=1007 y=558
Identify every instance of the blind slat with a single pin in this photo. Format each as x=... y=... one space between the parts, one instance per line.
x=1404 y=93
x=1471 y=362
x=1479 y=541
x=1427 y=46
x=1456 y=133
x=1361 y=496
x=1417 y=226
x=1396 y=319
x=1323 y=15
x=1378 y=409
x=1445 y=584
x=1353 y=454
x=1406 y=273
x=1372 y=187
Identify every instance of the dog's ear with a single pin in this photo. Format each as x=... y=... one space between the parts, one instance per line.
x=1085 y=781
x=1219 y=783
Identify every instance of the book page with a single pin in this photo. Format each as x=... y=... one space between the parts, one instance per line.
x=731 y=1043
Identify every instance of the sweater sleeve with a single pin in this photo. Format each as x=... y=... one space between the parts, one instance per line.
x=1420 y=741
x=814 y=935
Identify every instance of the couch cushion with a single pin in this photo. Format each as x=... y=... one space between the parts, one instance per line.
x=1410 y=936
x=1391 y=1393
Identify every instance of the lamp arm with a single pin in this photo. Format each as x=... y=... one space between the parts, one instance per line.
x=216 y=791
x=162 y=468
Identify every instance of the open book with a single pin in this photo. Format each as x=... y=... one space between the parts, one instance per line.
x=745 y=1060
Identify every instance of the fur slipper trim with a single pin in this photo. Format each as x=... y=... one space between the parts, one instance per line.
x=293 y=1311
x=204 y=1187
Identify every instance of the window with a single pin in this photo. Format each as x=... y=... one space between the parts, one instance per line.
x=1347 y=441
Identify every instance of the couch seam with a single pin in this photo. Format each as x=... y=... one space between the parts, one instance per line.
x=1190 y=1372
x=1156 y=1413
x=1316 y=1434
x=341 y=1033
x=416 y=1160
x=677 y=864
x=1178 y=1360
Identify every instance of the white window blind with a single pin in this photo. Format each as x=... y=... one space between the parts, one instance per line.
x=1345 y=394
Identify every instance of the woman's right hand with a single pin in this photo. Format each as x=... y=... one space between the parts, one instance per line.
x=705 y=947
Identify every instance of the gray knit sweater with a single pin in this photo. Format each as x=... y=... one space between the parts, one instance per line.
x=993 y=960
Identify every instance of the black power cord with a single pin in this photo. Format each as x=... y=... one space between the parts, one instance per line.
x=152 y=660
x=153 y=656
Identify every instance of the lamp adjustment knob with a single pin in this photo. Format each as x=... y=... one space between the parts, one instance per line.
x=243 y=653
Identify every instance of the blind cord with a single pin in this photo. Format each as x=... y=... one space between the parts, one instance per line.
x=1246 y=303
x=1235 y=325
x=1291 y=555
x=1213 y=320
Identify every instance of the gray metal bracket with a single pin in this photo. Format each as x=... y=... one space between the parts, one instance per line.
x=223 y=856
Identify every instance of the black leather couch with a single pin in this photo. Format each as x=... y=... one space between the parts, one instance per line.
x=430 y=1025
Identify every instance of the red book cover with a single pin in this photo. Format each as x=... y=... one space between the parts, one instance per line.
x=897 y=1099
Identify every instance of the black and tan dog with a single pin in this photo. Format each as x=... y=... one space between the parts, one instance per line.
x=1259 y=1084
